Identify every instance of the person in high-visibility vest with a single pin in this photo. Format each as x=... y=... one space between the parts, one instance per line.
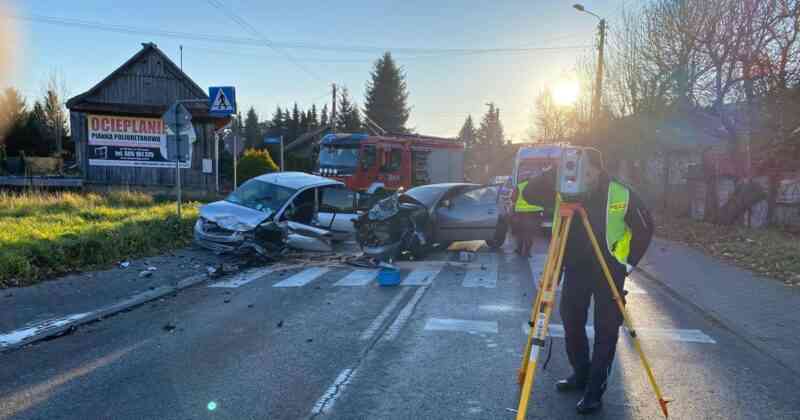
x=624 y=228
x=526 y=218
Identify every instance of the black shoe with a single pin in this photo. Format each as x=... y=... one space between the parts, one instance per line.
x=573 y=383
x=589 y=404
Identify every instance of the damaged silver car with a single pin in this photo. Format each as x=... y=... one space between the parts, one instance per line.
x=271 y=212
x=412 y=222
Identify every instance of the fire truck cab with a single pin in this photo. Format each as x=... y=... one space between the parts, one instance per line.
x=370 y=163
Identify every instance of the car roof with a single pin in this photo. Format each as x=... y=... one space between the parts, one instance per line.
x=297 y=180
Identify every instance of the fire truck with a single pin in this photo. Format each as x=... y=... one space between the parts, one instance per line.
x=369 y=164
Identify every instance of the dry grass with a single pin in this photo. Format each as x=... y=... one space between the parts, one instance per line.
x=46 y=234
x=770 y=252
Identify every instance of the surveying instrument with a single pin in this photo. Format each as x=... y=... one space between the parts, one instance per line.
x=572 y=185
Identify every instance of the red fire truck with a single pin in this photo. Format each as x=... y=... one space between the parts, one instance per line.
x=372 y=163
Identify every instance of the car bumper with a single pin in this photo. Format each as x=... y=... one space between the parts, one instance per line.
x=217 y=242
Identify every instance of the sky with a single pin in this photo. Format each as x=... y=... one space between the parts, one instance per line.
x=319 y=43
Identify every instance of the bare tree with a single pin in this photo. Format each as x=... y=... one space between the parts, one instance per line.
x=554 y=123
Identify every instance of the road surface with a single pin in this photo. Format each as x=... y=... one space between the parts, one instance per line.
x=328 y=343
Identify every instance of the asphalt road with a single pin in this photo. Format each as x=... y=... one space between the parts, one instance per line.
x=331 y=344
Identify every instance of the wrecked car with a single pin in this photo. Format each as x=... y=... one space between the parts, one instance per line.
x=412 y=222
x=268 y=213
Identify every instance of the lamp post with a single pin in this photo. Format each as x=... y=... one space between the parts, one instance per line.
x=598 y=87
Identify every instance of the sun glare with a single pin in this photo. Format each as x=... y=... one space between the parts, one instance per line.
x=565 y=92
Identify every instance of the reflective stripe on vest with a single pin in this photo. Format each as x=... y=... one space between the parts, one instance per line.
x=522 y=206
x=618 y=234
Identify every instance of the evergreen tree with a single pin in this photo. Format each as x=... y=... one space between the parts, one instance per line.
x=490 y=132
x=468 y=134
x=13 y=112
x=348 y=118
x=313 y=122
x=252 y=131
x=28 y=136
x=293 y=124
x=386 y=99
x=277 y=123
x=323 y=118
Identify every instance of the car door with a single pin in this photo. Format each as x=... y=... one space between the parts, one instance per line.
x=468 y=215
x=337 y=210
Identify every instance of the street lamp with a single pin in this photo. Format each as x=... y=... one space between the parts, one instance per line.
x=598 y=88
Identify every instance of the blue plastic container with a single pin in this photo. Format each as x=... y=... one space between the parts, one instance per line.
x=389 y=276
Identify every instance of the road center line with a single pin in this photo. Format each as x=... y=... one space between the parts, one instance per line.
x=394 y=330
x=462 y=325
x=302 y=278
x=369 y=333
x=333 y=392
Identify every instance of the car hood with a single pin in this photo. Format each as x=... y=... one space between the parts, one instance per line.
x=232 y=216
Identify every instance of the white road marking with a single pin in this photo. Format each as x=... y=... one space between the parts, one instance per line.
x=302 y=278
x=381 y=318
x=482 y=274
x=333 y=392
x=358 y=278
x=240 y=279
x=394 y=330
x=669 y=334
x=463 y=325
x=423 y=274
x=17 y=336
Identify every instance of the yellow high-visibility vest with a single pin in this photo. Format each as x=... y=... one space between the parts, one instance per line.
x=522 y=206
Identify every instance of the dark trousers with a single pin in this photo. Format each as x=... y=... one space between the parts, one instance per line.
x=581 y=283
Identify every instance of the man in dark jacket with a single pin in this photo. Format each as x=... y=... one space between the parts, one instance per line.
x=624 y=228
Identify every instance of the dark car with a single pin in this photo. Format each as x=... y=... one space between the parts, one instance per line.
x=411 y=222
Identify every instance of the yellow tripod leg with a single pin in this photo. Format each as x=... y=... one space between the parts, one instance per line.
x=538 y=331
x=548 y=266
x=626 y=318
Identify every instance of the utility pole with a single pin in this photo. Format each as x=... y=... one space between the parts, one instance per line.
x=333 y=110
x=598 y=89
x=598 y=84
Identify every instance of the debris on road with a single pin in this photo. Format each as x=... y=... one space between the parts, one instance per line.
x=280 y=324
x=145 y=273
x=151 y=268
x=169 y=327
x=124 y=264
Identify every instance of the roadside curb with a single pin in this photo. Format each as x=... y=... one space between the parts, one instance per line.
x=49 y=329
x=712 y=317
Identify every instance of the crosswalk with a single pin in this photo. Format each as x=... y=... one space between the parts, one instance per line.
x=482 y=273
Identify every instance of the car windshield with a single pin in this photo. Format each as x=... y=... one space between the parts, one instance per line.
x=338 y=157
x=261 y=196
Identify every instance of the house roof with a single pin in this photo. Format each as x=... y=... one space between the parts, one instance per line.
x=84 y=102
x=680 y=129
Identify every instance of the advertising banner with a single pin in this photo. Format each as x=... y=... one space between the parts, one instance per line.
x=130 y=141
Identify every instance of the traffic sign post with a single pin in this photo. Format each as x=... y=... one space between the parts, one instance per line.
x=177 y=116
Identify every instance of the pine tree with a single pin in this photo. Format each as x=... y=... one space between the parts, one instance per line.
x=293 y=124
x=323 y=119
x=252 y=132
x=348 y=118
x=13 y=112
x=386 y=99
x=491 y=130
x=467 y=135
x=313 y=122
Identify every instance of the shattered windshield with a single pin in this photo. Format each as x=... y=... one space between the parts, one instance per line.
x=338 y=157
x=261 y=196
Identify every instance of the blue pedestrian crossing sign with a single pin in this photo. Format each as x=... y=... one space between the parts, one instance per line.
x=221 y=101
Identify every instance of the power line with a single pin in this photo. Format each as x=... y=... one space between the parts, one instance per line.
x=132 y=30
x=247 y=26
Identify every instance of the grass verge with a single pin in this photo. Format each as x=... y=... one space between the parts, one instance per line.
x=47 y=234
x=770 y=252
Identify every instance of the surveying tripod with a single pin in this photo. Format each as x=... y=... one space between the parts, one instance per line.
x=545 y=301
